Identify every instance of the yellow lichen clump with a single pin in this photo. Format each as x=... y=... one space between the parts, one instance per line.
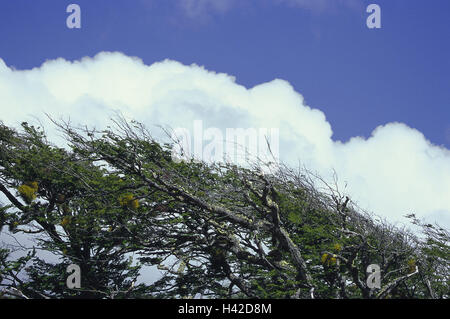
x=128 y=200
x=28 y=191
x=134 y=204
x=65 y=221
x=411 y=265
x=329 y=260
x=34 y=185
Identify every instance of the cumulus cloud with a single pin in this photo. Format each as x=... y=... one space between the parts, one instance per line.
x=394 y=172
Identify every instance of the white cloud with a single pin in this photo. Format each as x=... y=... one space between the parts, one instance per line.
x=394 y=172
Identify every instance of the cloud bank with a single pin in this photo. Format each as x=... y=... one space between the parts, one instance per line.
x=394 y=172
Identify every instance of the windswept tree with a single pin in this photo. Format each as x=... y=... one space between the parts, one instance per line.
x=213 y=230
x=70 y=208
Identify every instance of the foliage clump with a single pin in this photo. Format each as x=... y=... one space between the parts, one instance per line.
x=329 y=259
x=28 y=191
x=66 y=221
x=128 y=200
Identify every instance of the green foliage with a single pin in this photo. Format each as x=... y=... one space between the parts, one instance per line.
x=216 y=230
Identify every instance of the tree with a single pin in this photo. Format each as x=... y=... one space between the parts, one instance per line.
x=214 y=230
x=70 y=206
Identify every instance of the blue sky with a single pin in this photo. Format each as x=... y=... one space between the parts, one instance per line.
x=372 y=104
x=359 y=78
